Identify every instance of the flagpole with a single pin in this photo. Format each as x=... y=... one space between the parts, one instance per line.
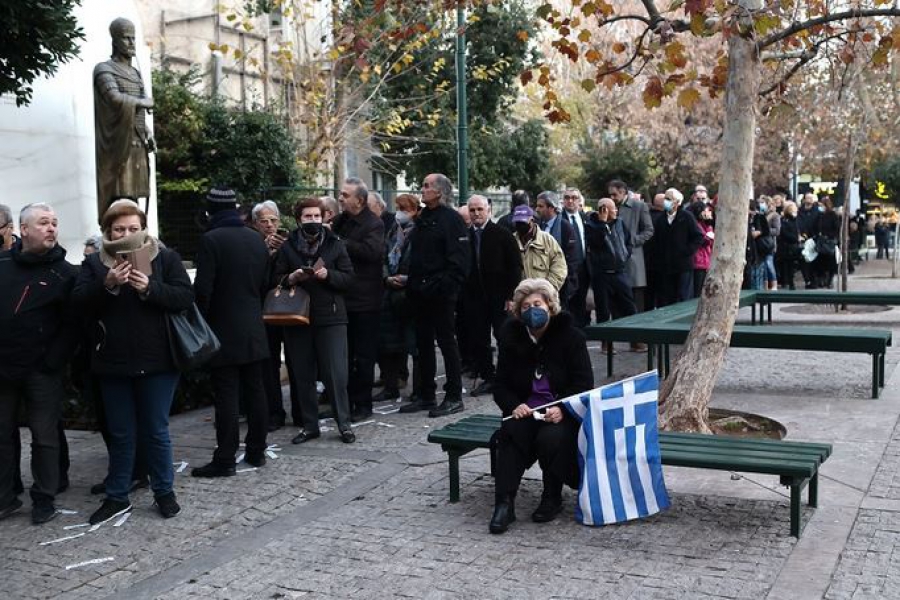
x=561 y=400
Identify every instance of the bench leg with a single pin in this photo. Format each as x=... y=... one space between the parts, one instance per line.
x=659 y=363
x=650 y=352
x=876 y=363
x=753 y=313
x=609 y=360
x=881 y=370
x=770 y=313
x=667 y=359
x=814 y=490
x=795 y=510
x=454 y=474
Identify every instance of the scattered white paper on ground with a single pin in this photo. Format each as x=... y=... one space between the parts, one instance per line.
x=240 y=457
x=180 y=467
x=62 y=539
x=271 y=454
x=389 y=411
x=273 y=447
x=385 y=424
x=80 y=525
x=363 y=423
x=246 y=470
x=65 y=511
x=95 y=561
x=122 y=519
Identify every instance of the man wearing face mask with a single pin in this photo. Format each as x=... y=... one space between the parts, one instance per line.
x=808 y=224
x=610 y=244
x=231 y=282
x=678 y=237
x=541 y=256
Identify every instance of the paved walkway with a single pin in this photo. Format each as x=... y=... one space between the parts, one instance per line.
x=372 y=520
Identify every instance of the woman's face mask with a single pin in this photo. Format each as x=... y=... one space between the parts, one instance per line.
x=403 y=217
x=311 y=229
x=535 y=317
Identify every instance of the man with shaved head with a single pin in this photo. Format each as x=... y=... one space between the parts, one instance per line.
x=610 y=248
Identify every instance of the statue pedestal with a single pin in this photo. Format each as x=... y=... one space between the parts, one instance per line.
x=47 y=148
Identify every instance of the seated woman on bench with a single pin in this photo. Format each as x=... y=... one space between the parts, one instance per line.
x=542 y=357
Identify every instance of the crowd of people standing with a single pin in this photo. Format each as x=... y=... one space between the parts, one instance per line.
x=384 y=289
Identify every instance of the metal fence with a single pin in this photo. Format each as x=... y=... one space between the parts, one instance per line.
x=182 y=215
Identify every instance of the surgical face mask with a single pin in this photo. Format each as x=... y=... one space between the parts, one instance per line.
x=821 y=208
x=667 y=205
x=311 y=229
x=535 y=317
x=403 y=217
x=762 y=207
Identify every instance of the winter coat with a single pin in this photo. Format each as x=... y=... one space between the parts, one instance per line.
x=542 y=257
x=830 y=225
x=677 y=242
x=363 y=236
x=756 y=222
x=499 y=271
x=38 y=324
x=609 y=243
x=635 y=215
x=231 y=283
x=130 y=334
x=439 y=254
x=703 y=255
x=326 y=298
x=808 y=222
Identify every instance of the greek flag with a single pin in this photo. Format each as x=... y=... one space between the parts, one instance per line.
x=618 y=452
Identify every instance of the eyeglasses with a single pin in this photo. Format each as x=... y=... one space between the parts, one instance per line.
x=268 y=220
x=570 y=197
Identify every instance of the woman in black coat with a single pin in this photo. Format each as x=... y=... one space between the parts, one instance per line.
x=788 y=248
x=827 y=242
x=131 y=353
x=316 y=260
x=543 y=357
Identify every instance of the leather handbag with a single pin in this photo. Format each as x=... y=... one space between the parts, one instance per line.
x=192 y=341
x=286 y=306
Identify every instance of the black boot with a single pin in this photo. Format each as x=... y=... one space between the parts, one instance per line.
x=551 y=500
x=504 y=513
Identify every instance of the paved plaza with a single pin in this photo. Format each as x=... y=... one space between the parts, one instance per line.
x=372 y=520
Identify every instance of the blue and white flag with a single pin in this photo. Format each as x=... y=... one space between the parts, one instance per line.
x=618 y=452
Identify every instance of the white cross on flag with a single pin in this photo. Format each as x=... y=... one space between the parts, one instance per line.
x=618 y=452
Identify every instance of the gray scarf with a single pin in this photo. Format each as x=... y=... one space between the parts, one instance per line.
x=129 y=243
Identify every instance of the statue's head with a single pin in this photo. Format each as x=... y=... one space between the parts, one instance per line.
x=122 y=32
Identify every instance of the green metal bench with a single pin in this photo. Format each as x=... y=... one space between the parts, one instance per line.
x=795 y=463
x=668 y=326
x=765 y=300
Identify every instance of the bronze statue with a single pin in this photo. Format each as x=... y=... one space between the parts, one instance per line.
x=120 y=122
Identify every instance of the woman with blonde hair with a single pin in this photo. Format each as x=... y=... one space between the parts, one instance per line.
x=543 y=357
x=127 y=303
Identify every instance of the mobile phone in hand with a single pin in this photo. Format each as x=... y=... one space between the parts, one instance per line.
x=282 y=232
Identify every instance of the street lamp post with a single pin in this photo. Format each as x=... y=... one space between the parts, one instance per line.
x=462 y=127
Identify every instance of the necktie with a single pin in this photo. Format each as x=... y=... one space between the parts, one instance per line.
x=478 y=232
x=579 y=240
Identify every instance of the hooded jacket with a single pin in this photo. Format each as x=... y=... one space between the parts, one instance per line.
x=37 y=322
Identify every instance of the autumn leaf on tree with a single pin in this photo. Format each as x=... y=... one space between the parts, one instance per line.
x=653 y=93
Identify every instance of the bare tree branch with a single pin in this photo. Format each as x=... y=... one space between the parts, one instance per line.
x=810 y=23
x=805 y=58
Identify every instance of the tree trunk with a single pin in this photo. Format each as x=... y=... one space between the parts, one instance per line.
x=685 y=395
x=849 y=171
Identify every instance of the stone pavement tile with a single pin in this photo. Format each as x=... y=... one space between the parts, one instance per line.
x=870 y=563
x=404 y=539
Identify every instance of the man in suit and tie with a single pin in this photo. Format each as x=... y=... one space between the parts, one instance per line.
x=495 y=272
x=572 y=213
x=547 y=210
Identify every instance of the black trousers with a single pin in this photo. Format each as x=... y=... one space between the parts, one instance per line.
x=521 y=442
x=320 y=352
x=435 y=322
x=464 y=342
x=230 y=384
x=362 y=343
x=42 y=394
x=578 y=296
x=482 y=316
x=18 y=487
x=272 y=379
x=613 y=295
x=654 y=296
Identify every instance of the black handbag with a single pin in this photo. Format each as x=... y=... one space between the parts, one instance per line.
x=765 y=245
x=825 y=245
x=286 y=306
x=191 y=339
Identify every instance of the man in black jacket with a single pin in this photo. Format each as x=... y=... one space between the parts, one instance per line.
x=232 y=276
x=610 y=244
x=679 y=237
x=581 y=279
x=439 y=264
x=495 y=272
x=39 y=330
x=808 y=223
x=363 y=234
